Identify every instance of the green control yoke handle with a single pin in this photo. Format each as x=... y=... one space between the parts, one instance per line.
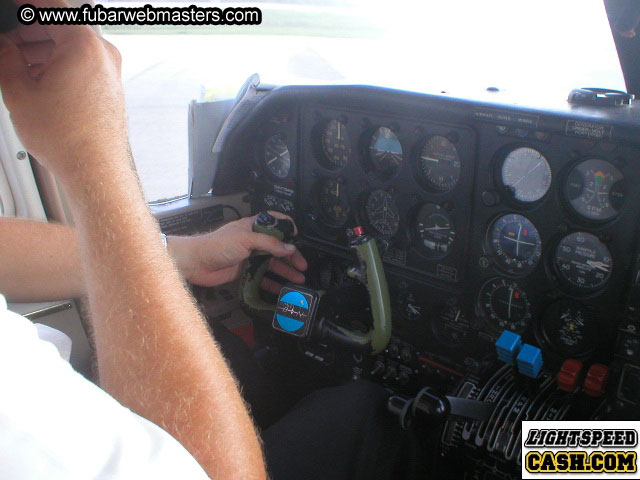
x=370 y=273
x=258 y=263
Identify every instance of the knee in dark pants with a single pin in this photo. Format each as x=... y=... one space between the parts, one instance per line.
x=337 y=433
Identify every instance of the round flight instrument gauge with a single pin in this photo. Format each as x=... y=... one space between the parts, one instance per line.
x=505 y=304
x=582 y=262
x=526 y=174
x=277 y=157
x=595 y=189
x=438 y=166
x=334 y=202
x=435 y=230
x=382 y=213
x=569 y=328
x=335 y=144
x=385 y=151
x=515 y=243
x=451 y=327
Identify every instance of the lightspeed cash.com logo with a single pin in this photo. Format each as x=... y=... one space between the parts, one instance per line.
x=580 y=449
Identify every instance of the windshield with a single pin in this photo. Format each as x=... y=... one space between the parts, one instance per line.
x=461 y=47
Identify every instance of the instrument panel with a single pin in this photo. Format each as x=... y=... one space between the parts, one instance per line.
x=401 y=180
x=487 y=220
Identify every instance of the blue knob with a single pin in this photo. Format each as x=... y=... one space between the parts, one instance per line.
x=508 y=346
x=530 y=360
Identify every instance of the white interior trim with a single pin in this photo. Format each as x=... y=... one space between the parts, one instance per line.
x=19 y=175
x=8 y=207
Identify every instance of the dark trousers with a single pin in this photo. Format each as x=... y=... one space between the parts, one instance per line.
x=336 y=433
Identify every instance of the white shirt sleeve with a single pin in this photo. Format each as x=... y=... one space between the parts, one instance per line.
x=55 y=424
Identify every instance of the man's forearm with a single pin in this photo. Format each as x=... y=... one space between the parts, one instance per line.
x=155 y=353
x=39 y=261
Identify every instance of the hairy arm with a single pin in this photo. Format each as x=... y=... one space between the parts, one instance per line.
x=39 y=261
x=155 y=354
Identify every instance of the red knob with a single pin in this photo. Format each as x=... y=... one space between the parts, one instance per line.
x=569 y=375
x=596 y=381
x=357 y=231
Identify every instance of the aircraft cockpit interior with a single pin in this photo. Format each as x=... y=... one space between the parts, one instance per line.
x=462 y=252
x=478 y=256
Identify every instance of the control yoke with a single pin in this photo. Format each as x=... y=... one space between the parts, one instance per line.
x=296 y=309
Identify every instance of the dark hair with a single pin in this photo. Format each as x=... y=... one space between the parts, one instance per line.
x=8 y=16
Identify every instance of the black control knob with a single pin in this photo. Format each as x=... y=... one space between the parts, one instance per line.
x=406 y=355
x=390 y=373
x=378 y=368
x=403 y=377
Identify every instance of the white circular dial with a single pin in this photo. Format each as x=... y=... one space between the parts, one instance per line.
x=526 y=174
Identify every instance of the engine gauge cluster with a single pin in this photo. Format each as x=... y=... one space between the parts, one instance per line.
x=595 y=189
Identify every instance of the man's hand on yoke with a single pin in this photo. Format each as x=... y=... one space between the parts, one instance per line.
x=216 y=258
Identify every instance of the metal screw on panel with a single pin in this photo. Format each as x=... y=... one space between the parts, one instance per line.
x=21 y=155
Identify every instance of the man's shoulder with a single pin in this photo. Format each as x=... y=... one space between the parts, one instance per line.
x=57 y=424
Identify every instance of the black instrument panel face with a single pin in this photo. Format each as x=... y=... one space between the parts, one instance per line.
x=560 y=233
x=408 y=182
x=482 y=227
